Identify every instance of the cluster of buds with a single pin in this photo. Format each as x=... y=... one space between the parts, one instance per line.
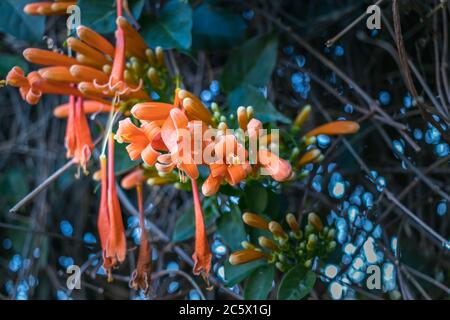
x=286 y=249
x=306 y=152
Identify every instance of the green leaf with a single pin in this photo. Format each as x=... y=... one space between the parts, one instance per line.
x=259 y=283
x=231 y=228
x=171 y=29
x=7 y=61
x=236 y=274
x=296 y=283
x=185 y=225
x=123 y=163
x=215 y=28
x=101 y=16
x=247 y=95
x=256 y=197
x=251 y=64
x=17 y=23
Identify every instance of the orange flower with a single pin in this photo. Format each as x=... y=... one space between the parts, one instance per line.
x=230 y=165
x=95 y=40
x=194 y=108
x=202 y=255
x=335 y=128
x=48 y=8
x=46 y=57
x=279 y=169
x=78 y=139
x=142 y=141
x=90 y=106
x=140 y=279
x=116 y=245
x=171 y=134
x=152 y=111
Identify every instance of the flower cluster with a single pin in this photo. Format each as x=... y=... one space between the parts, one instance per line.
x=287 y=249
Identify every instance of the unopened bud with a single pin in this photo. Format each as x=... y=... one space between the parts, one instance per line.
x=255 y=221
x=160 y=56
x=331 y=246
x=315 y=221
x=267 y=243
x=150 y=56
x=250 y=113
x=107 y=68
x=312 y=242
x=277 y=230
x=152 y=74
x=302 y=116
x=292 y=222
x=242 y=118
x=246 y=255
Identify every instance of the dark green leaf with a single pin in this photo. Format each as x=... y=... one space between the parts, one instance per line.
x=171 y=29
x=235 y=274
x=7 y=61
x=101 y=16
x=185 y=225
x=247 y=95
x=255 y=197
x=296 y=283
x=251 y=64
x=259 y=283
x=231 y=228
x=215 y=28
x=122 y=161
x=17 y=23
x=276 y=205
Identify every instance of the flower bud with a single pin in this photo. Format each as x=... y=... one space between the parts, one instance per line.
x=152 y=74
x=255 y=221
x=331 y=246
x=331 y=234
x=242 y=117
x=302 y=116
x=247 y=245
x=308 y=157
x=267 y=243
x=250 y=113
x=335 y=128
x=160 y=56
x=246 y=255
x=277 y=230
x=312 y=242
x=150 y=56
x=314 y=220
x=292 y=222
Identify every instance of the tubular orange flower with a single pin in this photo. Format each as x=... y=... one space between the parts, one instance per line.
x=116 y=246
x=255 y=221
x=86 y=50
x=45 y=57
x=48 y=8
x=84 y=143
x=202 y=255
x=231 y=165
x=141 y=140
x=89 y=74
x=335 y=128
x=152 y=111
x=140 y=279
x=279 y=169
x=58 y=73
x=87 y=60
x=176 y=123
x=103 y=223
x=136 y=45
x=90 y=106
x=95 y=40
x=246 y=255
x=70 y=139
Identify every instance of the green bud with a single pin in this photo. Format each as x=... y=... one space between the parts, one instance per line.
x=308 y=263
x=331 y=234
x=312 y=242
x=331 y=246
x=309 y=229
x=214 y=107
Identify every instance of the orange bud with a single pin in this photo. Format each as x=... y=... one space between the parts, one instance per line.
x=86 y=50
x=61 y=7
x=315 y=221
x=46 y=57
x=194 y=107
x=90 y=106
x=57 y=73
x=95 y=40
x=242 y=118
x=277 y=229
x=267 y=243
x=255 y=221
x=83 y=59
x=133 y=179
x=89 y=74
x=292 y=222
x=335 y=128
x=246 y=255
x=308 y=157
